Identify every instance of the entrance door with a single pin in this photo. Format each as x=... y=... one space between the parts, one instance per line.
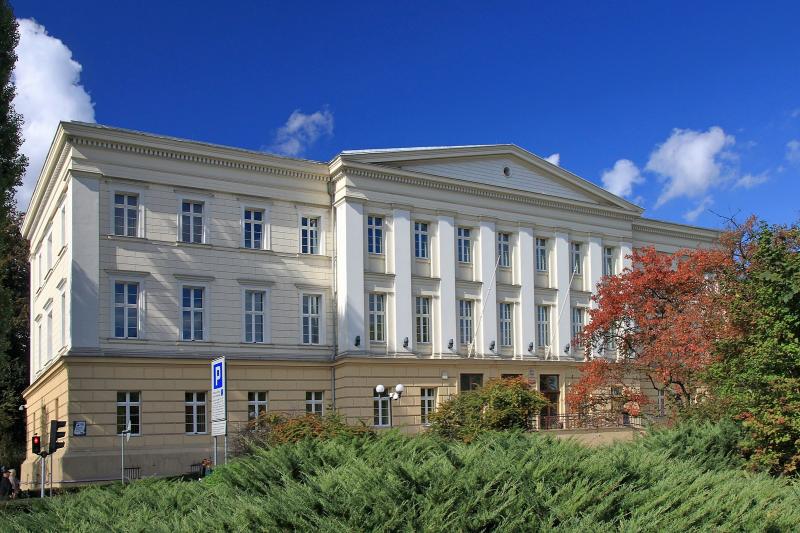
x=471 y=382
x=550 y=389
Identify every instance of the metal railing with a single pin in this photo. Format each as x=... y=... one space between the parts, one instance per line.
x=575 y=421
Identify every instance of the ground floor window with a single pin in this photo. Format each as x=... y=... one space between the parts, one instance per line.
x=257 y=403
x=428 y=403
x=128 y=411
x=381 y=409
x=314 y=402
x=550 y=388
x=195 y=407
x=471 y=382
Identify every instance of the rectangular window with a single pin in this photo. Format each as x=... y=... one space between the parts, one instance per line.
x=504 y=249
x=375 y=235
x=311 y=318
x=192 y=222
x=49 y=335
x=126 y=215
x=470 y=382
x=128 y=411
x=576 y=258
x=254 y=229
x=377 y=317
x=542 y=326
x=465 y=324
x=662 y=404
x=49 y=250
x=427 y=403
x=464 y=246
x=40 y=268
x=257 y=404
x=193 y=306
x=506 y=324
x=381 y=409
x=314 y=401
x=541 y=255
x=609 y=268
x=421 y=240
x=195 y=413
x=39 y=348
x=63 y=225
x=63 y=319
x=309 y=235
x=254 y=315
x=423 y=319
x=126 y=310
x=577 y=323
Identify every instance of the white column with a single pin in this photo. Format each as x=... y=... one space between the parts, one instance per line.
x=401 y=267
x=526 y=267
x=84 y=279
x=446 y=261
x=624 y=261
x=562 y=275
x=350 y=275
x=486 y=266
x=595 y=264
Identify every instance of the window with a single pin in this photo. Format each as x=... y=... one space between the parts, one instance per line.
x=311 y=318
x=575 y=258
x=253 y=228
x=611 y=340
x=49 y=250
x=427 y=403
x=39 y=268
x=381 y=409
x=195 y=413
x=661 y=403
x=257 y=404
x=126 y=310
x=609 y=268
x=375 y=235
x=192 y=222
x=63 y=319
x=39 y=344
x=377 y=317
x=542 y=326
x=504 y=249
x=506 y=325
x=63 y=225
x=309 y=235
x=254 y=315
x=464 y=246
x=314 y=402
x=126 y=215
x=465 y=322
x=423 y=319
x=128 y=410
x=193 y=313
x=421 y=240
x=577 y=323
x=470 y=382
x=49 y=335
x=541 y=255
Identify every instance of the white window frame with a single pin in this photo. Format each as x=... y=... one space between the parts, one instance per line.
x=206 y=310
x=322 y=215
x=422 y=239
x=266 y=315
x=505 y=314
x=376 y=311
x=128 y=277
x=504 y=249
x=140 y=223
x=466 y=323
x=464 y=245
x=576 y=326
x=543 y=329
x=576 y=258
x=63 y=212
x=126 y=306
x=63 y=300
x=255 y=403
x=127 y=403
x=266 y=225
x=49 y=335
x=609 y=261
x=382 y=407
x=375 y=234
x=195 y=404
x=205 y=219
x=321 y=315
x=427 y=397
x=315 y=402
x=542 y=259
x=39 y=341
x=422 y=320
x=49 y=248
x=126 y=208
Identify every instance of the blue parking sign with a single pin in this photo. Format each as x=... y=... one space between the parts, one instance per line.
x=218 y=378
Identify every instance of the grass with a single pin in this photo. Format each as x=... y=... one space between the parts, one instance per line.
x=685 y=479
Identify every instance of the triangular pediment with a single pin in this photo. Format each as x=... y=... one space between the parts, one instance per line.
x=506 y=166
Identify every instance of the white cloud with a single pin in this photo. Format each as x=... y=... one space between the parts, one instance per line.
x=690 y=162
x=692 y=215
x=554 y=159
x=793 y=151
x=795 y=113
x=301 y=131
x=622 y=177
x=48 y=91
x=748 y=181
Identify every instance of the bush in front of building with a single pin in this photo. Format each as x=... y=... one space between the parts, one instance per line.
x=502 y=404
x=271 y=429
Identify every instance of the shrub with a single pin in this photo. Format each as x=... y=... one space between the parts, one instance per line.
x=500 y=404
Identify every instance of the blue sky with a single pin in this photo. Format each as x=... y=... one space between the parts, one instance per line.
x=701 y=99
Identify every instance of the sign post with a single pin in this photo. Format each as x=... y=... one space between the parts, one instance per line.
x=219 y=408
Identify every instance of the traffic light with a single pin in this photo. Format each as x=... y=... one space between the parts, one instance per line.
x=36 y=444
x=55 y=435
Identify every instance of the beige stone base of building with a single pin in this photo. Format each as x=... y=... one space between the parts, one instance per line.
x=85 y=389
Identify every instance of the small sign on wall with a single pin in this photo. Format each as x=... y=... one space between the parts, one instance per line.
x=79 y=428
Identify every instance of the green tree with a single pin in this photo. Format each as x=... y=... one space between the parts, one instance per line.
x=13 y=256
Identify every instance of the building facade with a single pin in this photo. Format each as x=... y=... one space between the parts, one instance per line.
x=437 y=268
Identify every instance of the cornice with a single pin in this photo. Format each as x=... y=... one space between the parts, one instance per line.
x=521 y=197
x=702 y=233
x=190 y=157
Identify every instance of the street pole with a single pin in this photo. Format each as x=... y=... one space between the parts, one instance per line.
x=122 y=461
x=215 y=450
x=41 y=495
x=225 y=441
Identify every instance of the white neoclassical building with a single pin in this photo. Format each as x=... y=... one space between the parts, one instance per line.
x=438 y=268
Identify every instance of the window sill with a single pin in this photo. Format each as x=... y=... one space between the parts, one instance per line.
x=62 y=251
x=125 y=339
x=254 y=250
x=422 y=259
x=192 y=244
